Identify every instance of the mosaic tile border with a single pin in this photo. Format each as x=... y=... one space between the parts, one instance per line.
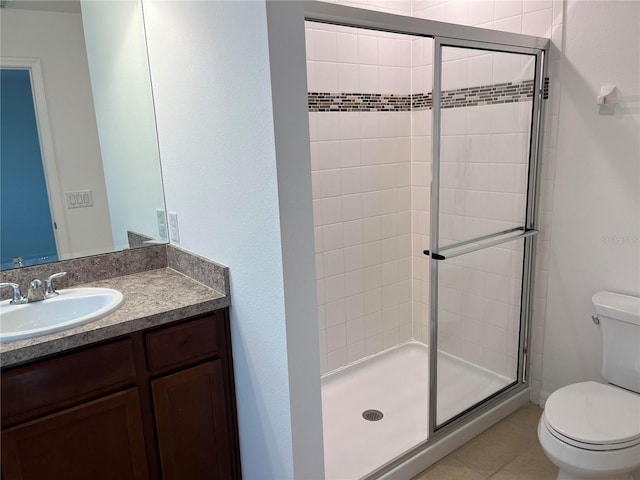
x=510 y=92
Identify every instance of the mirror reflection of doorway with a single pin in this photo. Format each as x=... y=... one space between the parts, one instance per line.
x=26 y=223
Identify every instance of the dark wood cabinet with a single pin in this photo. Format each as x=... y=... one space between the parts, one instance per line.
x=192 y=425
x=154 y=404
x=102 y=439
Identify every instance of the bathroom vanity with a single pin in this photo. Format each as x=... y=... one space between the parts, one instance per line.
x=146 y=392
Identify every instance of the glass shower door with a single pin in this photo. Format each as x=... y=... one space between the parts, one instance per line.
x=482 y=221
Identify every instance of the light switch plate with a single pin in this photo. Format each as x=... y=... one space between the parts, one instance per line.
x=174 y=233
x=79 y=199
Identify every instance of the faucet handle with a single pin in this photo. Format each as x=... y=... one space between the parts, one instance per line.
x=49 y=290
x=17 y=294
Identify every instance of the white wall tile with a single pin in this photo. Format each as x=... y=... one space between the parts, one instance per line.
x=332 y=210
x=351 y=207
x=337 y=358
x=367 y=49
x=507 y=8
x=350 y=153
x=538 y=23
x=368 y=78
x=335 y=313
x=480 y=71
x=354 y=282
x=328 y=154
x=480 y=11
x=333 y=262
x=324 y=43
x=330 y=183
x=333 y=288
x=534 y=5
x=332 y=236
x=336 y=337
x=356 y=351
x=387 y=52
x=511 y=24
x=347 y=47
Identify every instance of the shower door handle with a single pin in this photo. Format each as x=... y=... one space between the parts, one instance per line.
x=482 y=243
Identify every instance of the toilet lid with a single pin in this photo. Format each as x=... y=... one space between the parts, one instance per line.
x=594 y=413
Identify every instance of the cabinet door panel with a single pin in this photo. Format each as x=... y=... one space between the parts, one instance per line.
x=192 y=425
x=52 y=384
x=98 y=440
x=185 y=343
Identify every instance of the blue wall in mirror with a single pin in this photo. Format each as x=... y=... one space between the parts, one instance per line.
x=26 y=226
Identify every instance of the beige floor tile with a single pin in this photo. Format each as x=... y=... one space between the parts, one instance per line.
x=531 y=465
x=448 y=469
x=507 y=451
x=526 y=417
x=495 y=448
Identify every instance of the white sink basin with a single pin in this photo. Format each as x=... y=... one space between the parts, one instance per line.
x=73 y=307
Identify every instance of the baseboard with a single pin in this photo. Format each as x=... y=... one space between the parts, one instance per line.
x=543 y=398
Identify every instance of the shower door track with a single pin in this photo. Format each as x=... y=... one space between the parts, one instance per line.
x=445 y=34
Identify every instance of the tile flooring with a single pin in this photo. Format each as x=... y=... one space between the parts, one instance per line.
x=507 y=451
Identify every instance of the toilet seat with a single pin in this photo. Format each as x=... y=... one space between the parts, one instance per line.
x=593 y=416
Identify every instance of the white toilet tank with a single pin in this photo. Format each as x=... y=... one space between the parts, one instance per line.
x=620 y=322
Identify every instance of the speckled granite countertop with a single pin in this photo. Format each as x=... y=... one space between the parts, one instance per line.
x=151 y=298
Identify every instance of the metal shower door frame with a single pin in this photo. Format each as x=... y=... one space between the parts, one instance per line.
x=460 y=35
x=527 y=231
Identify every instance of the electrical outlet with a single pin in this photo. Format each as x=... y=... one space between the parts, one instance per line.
x=174 y=233
x=162 y=223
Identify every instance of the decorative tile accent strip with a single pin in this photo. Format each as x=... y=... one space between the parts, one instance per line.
x=421 y=101
x=463 y=97
x=358 y=102
x=488 y=94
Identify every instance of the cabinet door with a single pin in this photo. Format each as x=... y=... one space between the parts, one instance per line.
x=98 y=440
x=192 y=424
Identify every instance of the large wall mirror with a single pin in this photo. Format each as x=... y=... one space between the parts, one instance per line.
x=79 y=165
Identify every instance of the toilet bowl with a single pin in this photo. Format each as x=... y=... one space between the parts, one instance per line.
x=590 y=429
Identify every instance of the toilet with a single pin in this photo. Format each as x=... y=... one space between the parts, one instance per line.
x=592 y=430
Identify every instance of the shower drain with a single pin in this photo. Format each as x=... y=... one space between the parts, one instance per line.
x=372 y=415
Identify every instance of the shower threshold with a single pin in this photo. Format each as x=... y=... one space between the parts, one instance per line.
x=395 y=383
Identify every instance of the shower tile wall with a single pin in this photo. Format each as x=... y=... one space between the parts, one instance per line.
x=361 y=173
x=543 y=18
x=421 y=155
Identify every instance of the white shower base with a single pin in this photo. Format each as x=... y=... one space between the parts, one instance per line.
x=396 y=383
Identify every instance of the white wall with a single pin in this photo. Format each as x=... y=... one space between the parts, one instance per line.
x=116 y=49
x=210 y=67
x=58 y=40
x=595 y=233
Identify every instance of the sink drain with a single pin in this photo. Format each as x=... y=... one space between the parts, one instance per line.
x=372 y=415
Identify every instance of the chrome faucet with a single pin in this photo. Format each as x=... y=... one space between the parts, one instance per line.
x=49 y=290
x=17 y=294
x=37 y=291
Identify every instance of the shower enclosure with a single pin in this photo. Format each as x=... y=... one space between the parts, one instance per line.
x=425 y=140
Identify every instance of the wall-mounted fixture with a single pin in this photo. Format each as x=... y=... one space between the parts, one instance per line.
x=607 y=99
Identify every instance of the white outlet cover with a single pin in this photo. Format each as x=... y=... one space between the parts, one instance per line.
x=174 y=232
x=162 y=223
